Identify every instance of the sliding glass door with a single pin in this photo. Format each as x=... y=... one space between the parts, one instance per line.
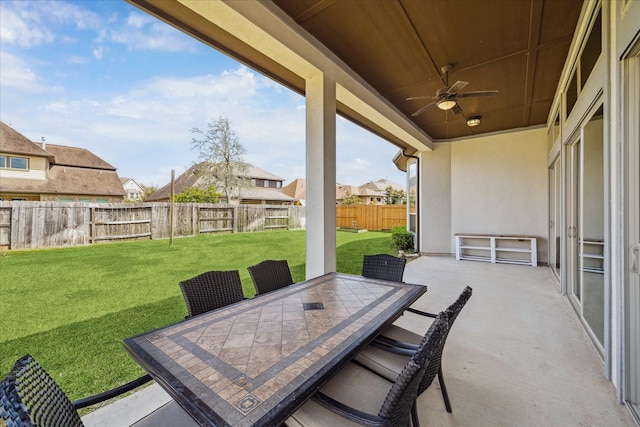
x=585 y=225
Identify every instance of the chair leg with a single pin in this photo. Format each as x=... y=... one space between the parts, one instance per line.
x=443 y=387
x=414 y=414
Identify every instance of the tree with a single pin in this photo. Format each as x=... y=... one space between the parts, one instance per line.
x=198 y=195
x=221 y=153
x=351 y=199
x=394 y=197
x=148 y=191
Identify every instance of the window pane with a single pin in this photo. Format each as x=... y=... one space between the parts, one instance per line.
x=3 y=162
x=19 y=163
x=591 y=51
x=572 y=93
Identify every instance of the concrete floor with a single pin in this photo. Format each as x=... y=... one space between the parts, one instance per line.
x=516 y=356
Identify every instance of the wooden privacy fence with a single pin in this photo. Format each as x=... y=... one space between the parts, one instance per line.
x=371 y=217
x=31 y=225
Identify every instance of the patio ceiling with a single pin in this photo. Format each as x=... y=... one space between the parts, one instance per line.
x=397 y=49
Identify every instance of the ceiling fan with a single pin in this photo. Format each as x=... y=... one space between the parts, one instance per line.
x=446 y=97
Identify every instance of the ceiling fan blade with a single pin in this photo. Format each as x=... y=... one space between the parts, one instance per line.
x=423 y=109
x=457 y=109
x=411 y=98
x=478 y=93
x=457 y=87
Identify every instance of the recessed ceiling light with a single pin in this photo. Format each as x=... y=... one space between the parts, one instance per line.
x=473 y=121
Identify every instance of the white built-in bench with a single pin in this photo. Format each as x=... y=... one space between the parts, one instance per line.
x=497 y=248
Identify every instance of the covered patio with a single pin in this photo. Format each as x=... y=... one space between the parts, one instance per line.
x=516 y=355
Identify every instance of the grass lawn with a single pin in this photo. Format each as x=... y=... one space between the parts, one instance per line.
x=71 y=308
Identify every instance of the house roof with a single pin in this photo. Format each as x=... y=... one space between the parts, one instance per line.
x=343 y=191
x=296 y=189
x=190 y=179
x=256 y=172
x=382 y=184
x=75 y=156
x=267 y=194
x=14 y=142
x=72 y=170
x=68 y=180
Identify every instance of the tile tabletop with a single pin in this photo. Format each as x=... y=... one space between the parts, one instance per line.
x=255 y=362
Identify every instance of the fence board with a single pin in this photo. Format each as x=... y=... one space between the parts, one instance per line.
x=30 y=225
x=5 y=226
x=371 y=217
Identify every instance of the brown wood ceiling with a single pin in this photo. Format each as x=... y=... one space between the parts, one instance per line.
x=517 y=47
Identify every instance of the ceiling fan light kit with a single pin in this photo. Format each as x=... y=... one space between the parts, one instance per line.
x=446 y=97
x=446 y=104
x=473 y=121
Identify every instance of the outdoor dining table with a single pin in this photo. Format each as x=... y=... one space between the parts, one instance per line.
x=253 y=363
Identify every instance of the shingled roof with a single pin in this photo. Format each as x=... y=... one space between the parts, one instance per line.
x=13 y=142
x=72 y=170
x=77 y=157
x=190 y=179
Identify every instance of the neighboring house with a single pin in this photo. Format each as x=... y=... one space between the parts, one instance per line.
x=39 y=172
x=263 y=187
x=368 y=196
x=382 y=184
x=297 y=189
x=133 y=190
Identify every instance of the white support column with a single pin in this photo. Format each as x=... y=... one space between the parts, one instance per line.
x=321 y=175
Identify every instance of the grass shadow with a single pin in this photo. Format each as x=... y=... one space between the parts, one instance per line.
x=87 y=357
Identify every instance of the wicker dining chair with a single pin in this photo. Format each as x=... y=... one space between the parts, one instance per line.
x=211 y=290
x=270 y=275
x=354 y=395
x=388 y=353
x=384 y=267
x=30 y=397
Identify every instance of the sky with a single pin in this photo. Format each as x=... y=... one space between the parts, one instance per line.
x=105 y=76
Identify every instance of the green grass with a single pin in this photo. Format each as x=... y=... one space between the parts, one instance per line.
x=71 y=308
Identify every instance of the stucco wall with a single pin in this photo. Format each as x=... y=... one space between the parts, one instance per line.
x=499 y=186
x=435 y=199
x=495 y=185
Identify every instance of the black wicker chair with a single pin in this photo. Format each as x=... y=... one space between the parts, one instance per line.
x=211 y=290
x=384 y=267
x=390 y=350
x=354 y=394
x=270 y=275
x=30 y=397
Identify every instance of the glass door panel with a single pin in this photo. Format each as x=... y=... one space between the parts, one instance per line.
x=591 y=242
x=412 y=201
x=554 y=217
x=574 y=173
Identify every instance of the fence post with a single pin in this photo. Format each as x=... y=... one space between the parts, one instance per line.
x=92 y=227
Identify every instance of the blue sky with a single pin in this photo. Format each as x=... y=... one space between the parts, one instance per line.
x=107 y=77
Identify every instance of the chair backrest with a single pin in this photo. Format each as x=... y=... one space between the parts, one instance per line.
x=402 y=396
x=30 y=397
x=211 y=290
x=452 y=313
x=270 y=275
x=384 y=267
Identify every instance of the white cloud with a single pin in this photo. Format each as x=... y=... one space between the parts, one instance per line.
x=98 y=52
x=16 y=73
x=142 y=32
x=22 y=26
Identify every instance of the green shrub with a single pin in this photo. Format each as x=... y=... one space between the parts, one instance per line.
x=401 y=239
x=198 y=195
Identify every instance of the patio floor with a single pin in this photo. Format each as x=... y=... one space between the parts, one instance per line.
x=516 y=356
